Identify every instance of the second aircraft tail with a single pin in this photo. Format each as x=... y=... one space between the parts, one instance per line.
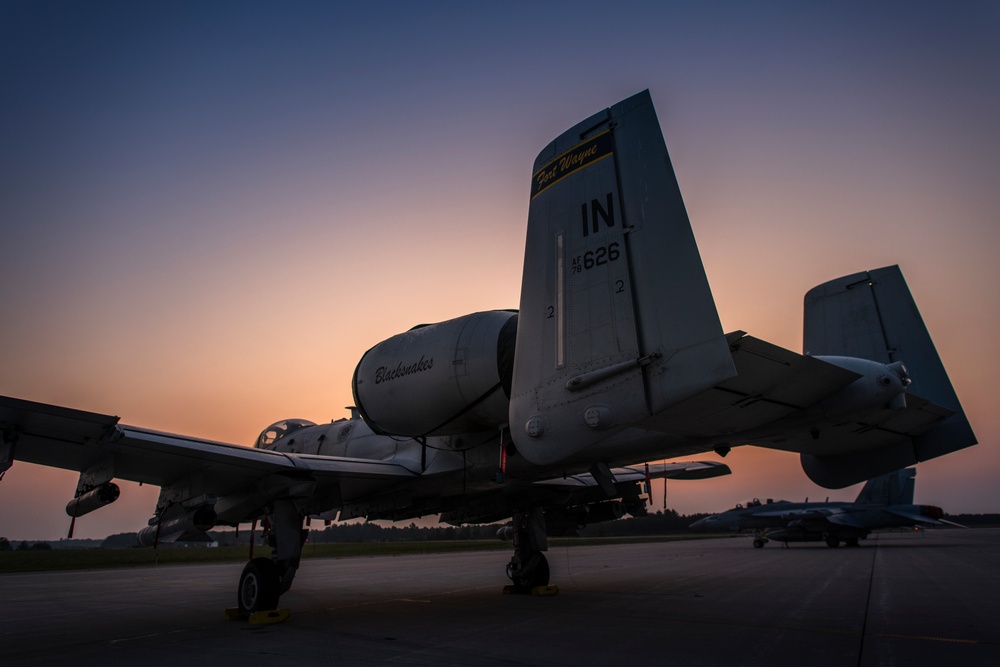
x=894 y=488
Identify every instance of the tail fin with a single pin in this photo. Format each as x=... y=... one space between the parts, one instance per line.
x=872 y=315
x=894 y=488
x=617 y=321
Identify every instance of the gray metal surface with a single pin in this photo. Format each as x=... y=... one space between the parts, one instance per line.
x=905 y=598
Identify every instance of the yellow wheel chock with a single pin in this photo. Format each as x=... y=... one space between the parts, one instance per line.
x=258 y=617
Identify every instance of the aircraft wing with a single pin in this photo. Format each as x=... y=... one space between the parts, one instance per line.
x=245 y=479
x=679 y=470
x=86 y=441
x=904 y=515
x=574 y=490
x=791 y=514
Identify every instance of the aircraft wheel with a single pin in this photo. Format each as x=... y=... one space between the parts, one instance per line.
x=541 y=575
x=536 y=573
x=758 y=543
x=832 y=541
x=851 y=542
x=258 y=590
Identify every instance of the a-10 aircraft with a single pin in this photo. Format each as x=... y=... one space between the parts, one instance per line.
x=884 y=502
x=615 y=357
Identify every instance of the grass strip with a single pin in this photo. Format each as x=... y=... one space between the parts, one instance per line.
x=90 y=559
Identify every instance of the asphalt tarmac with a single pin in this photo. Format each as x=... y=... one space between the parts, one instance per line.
x=928 y=598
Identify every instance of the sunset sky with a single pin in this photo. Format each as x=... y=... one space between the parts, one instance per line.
x=209 y=211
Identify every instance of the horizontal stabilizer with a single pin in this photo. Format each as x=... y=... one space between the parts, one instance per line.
x=915 y=517
x=771 y=383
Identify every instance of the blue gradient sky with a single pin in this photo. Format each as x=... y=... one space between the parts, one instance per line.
x=209 y=211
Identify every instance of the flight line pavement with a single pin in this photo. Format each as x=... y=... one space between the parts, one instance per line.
x=914 y=598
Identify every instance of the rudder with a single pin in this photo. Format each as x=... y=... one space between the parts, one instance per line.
x=617 y=321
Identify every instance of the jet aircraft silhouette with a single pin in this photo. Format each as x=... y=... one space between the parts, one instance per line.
x=884 y=502
x=616 y=357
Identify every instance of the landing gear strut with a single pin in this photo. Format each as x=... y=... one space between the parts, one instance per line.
x=528 y=567
x=264 y=580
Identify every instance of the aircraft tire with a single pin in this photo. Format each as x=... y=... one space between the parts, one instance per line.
x=832 y=541
x=758 y=543
x=541 y=575
x=258 y=589
x=537 y=574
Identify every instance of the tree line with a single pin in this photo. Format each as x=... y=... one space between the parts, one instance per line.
x=24 y=545
x=658 y=523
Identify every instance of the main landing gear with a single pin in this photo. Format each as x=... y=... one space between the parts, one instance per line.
x=264 y=580
x=528 y=569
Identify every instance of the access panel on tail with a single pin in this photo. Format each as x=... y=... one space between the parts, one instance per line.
x=872 y=315
x=617 y=321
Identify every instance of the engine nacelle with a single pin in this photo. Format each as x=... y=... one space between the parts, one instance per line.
x=439 y=379
x=96 y=498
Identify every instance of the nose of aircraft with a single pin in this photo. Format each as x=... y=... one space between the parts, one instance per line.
x=708 y=523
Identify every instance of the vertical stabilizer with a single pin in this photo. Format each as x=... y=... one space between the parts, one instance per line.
x=872 y=315
x=894 y=488
x=617 y=321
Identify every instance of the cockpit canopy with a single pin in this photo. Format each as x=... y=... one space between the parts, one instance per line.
x=279 y=430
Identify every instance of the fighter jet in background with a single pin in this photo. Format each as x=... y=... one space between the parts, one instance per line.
x=884 y=502
x=615 y=358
